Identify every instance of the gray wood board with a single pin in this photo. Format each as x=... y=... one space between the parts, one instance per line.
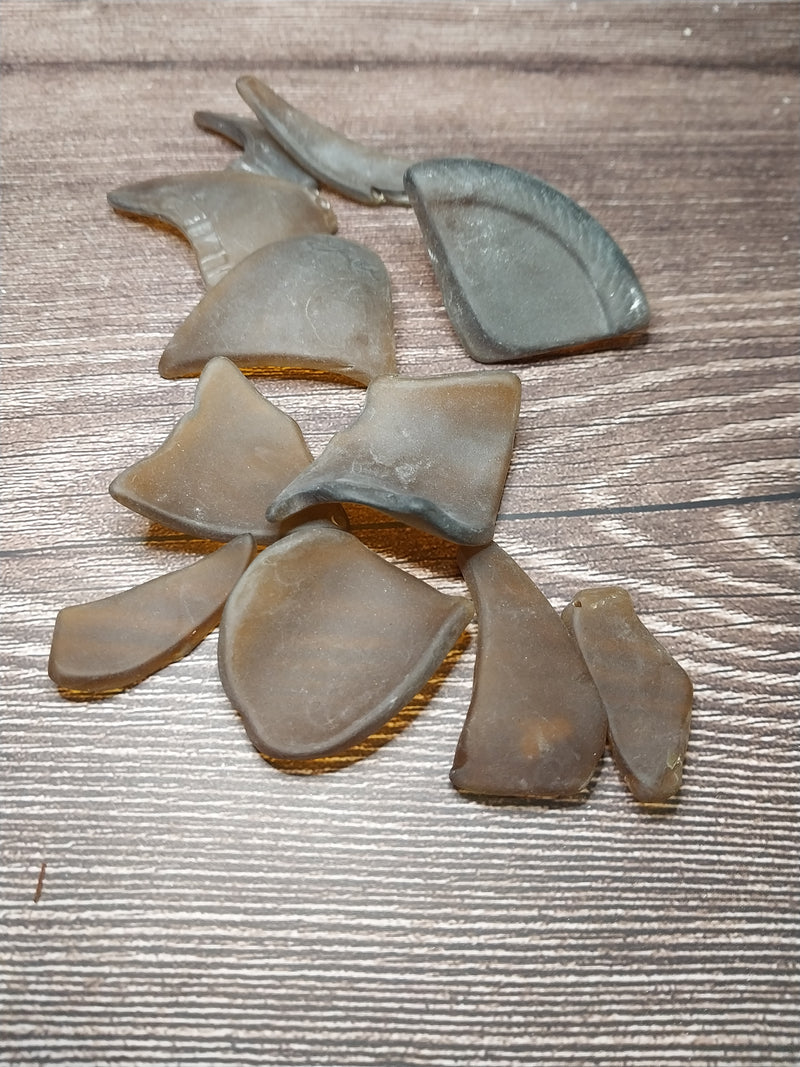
x=201 y=905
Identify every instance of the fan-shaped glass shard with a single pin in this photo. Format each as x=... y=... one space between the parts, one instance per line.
x=433 y=452
x=646 y=693
x=222 y=465
x=522 y=268
x=261 y=154
x=354 y=170
x=322 y=642
x=226 y=215
x=121 y=640
x=316 y=302
x=536 y=725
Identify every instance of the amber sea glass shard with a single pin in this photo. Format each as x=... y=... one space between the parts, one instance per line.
x=524 y=270
x=433 y=452
x=222 y=465
x=316 y=302
x=354 y=170
x=322 y=642
x=226 y=215
x=646 y=693
x=535 y=725
x=121 y=640
x=261 y=154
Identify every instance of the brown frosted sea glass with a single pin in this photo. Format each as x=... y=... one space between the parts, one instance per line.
x=260 y=153
x=222 y=465
x=354 y=170
x=116 y=642
x=646 y=693
x=535 y=725
x=226 y=215
x=433 y=452
x=322 y=642
x=522 y=268
x=316 y=302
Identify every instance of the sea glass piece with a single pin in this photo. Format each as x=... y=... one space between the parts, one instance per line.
x=121 y=640
x=316 y=302
x=524 y=271
x=361 y=173
x=226 y=215
x=433 y=452
x=261 y=154
x=646 y=693
x=222 y=465
x=323 y=641
x=536 y=726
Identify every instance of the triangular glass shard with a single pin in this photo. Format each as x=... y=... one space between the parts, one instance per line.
x=322 y=642
x=646 y=693
x=226 y=215
x=354 y=170
x=121 y=640
x=261 y=154
x=222 y=465
x=536 y=726
x=433 y=452
x=524 y=271
x=317 y=302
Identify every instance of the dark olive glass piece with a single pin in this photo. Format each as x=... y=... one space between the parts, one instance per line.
x=222 y=465
x=433 y=452
x=646 y=693
x=536 y=726
x=116 y=642
x=354 y=170
x=524 y=270
x=316 y=302
x=226 y=215
x=261 y=154
x=322 y=642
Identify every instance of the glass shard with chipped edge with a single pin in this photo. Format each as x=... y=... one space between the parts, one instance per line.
x=317 y=302
x=222 y=465
x=361 y=173
x=646 y=692
x=117 y=642
x=433 y=452
x=322 y=641
x=536 y=726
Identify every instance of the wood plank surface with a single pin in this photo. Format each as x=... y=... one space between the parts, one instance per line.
x=169 y=897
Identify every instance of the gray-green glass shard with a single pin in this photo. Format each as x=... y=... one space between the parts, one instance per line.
x=261 y=154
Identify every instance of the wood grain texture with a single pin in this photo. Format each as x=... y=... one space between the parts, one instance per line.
x=200 y=905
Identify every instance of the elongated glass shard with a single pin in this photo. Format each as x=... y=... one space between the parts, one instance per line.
x=646 y=693
x=536 y=726
x=121 y=640
x=524 y=271
x=261 y=154
x=322 y=642
x=222 y=465
x=433 y=452
x=226 y=215
x=316 y=302
x=354 y=170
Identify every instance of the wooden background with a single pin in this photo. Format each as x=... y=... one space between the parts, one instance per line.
x=201 y=905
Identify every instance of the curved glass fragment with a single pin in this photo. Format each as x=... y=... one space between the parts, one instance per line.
x=536 y=726
x=226 y=215
x=121 y=640
x=322 y=642
x=646 y=693
x=222 y=465
x=354 y=170
x=261 y=154
x=316 y=302
x=433 y=452
x=523 y=269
